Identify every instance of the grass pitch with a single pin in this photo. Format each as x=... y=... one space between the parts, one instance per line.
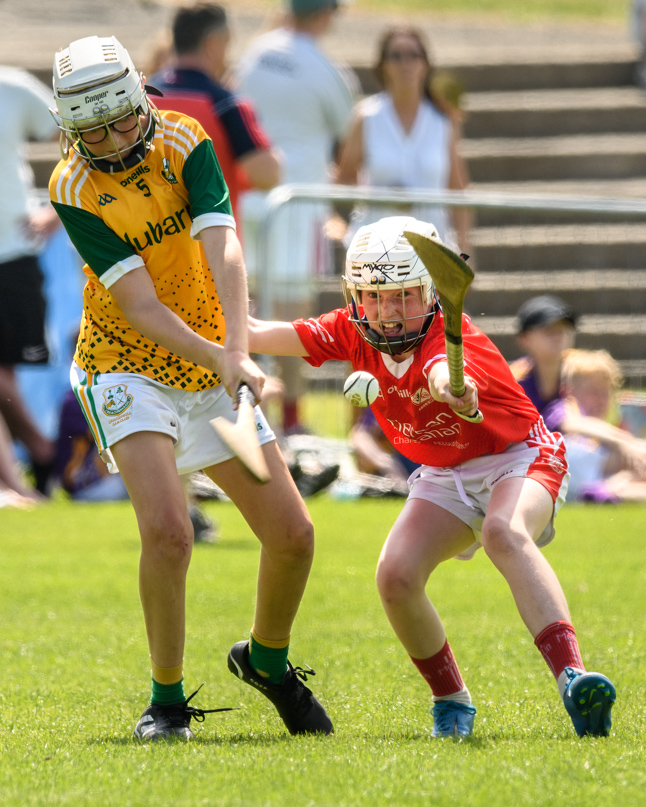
x=75 y=672
x=528 y=10
x=512 y=10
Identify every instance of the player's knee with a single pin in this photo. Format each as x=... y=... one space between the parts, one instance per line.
x=500 y=538
x=168 y=535
x=396 y=583
x=296 y=540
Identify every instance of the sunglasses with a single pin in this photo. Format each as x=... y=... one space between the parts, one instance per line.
x=404 y=56
x=98 y=135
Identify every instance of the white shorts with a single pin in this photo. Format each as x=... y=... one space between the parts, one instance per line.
x=465 y=489
x=119 y=404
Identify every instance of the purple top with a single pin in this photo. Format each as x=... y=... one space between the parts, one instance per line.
x=554 y=414
x=72 y=424
x=551 y=409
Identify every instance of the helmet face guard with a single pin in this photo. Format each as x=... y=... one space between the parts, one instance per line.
x=97 y=87
x=380 y=258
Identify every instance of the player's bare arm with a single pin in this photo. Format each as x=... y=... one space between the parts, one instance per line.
x=631 y=449
x=274 y=338
x=439 y=384
x=224 y=256
x=263 y=168
x=135 y=293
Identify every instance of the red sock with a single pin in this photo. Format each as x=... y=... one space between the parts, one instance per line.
x=560 y=649
x=441 y=672
x=290 y=414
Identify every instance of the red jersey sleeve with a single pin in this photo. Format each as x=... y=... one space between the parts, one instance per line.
x=330 y=336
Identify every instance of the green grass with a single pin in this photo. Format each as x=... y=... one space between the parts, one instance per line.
x=75 y=672
x=510 y=9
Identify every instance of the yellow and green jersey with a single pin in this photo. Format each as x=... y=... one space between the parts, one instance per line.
x=149 y=216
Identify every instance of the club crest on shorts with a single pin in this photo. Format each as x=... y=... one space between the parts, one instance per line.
x=116 y=400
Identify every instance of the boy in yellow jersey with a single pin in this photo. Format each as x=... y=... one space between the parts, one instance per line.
x=142 y=197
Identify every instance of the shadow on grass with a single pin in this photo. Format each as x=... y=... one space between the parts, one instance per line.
x=231 y=543
x=257 y=741
x=474 y=743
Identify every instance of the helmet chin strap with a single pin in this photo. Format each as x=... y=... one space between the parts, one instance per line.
x=396 y=345
x=136 y=156
x=393 y=345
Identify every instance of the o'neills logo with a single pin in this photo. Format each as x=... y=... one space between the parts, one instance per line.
x=97 y=97
x=142 y=169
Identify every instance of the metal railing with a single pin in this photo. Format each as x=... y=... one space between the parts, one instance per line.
x=284 y=195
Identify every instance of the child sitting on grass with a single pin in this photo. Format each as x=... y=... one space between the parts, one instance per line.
x=607 y=464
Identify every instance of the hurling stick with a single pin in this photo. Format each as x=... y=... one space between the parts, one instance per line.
x=242 y=437
x=451 y=276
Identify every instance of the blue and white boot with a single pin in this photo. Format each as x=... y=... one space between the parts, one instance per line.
x=452 y=719
x=588 y=698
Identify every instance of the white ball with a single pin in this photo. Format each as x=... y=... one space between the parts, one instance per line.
x=361 y=388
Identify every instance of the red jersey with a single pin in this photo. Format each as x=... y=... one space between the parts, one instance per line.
x=425 y=430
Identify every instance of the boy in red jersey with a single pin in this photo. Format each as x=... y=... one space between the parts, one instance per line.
x=496 y=484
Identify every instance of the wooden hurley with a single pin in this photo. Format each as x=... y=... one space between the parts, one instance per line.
x=242 y=437
x=452 y=277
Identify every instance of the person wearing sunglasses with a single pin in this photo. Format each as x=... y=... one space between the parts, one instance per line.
x=406 y=136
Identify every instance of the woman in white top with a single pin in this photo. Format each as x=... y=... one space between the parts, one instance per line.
x=405 y=137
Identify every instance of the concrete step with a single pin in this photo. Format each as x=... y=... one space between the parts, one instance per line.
x=529 y=74
x=588 y=291
x=606 y=156
x=631 y=188
x=623 y=335
x=592 y=71
x=560 y=247
x=555 y=112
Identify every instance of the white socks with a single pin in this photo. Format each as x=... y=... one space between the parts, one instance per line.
x=463 y=697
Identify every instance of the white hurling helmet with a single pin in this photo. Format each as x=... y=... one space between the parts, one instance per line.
x=380 y=257
x=96 y=83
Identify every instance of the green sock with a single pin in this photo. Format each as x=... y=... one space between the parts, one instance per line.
x=269 y=662
x=167 y=694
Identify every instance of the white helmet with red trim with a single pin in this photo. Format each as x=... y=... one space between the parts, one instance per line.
x=380 y=257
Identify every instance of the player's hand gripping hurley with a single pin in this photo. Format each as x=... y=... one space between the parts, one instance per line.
x=242 y=437
x=452 y=277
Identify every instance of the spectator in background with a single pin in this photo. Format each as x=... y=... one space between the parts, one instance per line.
x=407 y=136
x=79 y=467
x=24 y=225
x=191 y=84
x=606 y=463
x=305 y=102
x=374 y=454
x=545 y=330
x=13 y=493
